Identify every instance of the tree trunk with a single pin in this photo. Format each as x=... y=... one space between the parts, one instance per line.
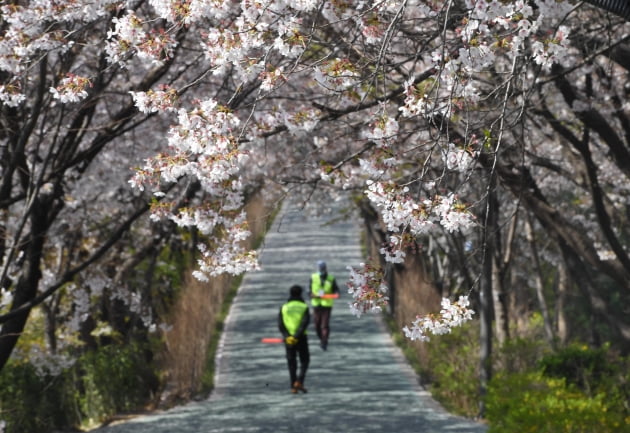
x=485 y=296
x=499 y=300
x=26 y=286
x=500 y=267
x=539 y=281
x=563 y=289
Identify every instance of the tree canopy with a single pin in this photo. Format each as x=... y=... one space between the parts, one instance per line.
x=463 y=123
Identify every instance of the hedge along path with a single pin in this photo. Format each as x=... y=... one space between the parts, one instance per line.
x=360 y=384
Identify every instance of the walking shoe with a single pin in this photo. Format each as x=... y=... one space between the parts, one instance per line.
x=324 y=346
x=297 y=386
x=294 y=390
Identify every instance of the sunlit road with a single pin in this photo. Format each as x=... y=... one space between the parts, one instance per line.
x=361 y=384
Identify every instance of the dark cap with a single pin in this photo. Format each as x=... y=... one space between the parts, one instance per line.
x=295 y=291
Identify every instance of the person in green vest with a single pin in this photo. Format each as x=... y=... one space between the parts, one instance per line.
x=293 y=320
x=322 y=283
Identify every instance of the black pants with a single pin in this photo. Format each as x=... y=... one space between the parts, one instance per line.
x=301 y=350
x=321 y=319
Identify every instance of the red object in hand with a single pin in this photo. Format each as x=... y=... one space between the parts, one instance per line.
x=271 y=340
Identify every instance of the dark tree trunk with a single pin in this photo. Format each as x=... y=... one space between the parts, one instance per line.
x=26 y=286
x=485 y=295
x=539 y=281
x=563 y=289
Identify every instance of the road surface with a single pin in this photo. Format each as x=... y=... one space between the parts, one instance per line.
x=360 y=384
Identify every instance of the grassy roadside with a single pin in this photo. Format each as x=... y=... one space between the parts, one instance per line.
x=445 y=369
x=411 y=355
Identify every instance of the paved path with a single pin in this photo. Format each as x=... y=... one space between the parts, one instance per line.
x=361 y=384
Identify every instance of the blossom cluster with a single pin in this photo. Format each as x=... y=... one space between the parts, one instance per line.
x=396 y=250
x=336 y=75
x=152 y=101
x=383 y=130
x=451 y=315
x=369 y=292
x=401 y=212
x=368 y=289
x=301 y=121
x=417 y=98
x=459 y=159
x=202 y=146
x=10 y=94
x=228 y=256
x=406 y=218
x=72 y=88
x=454 y=86
x=27 y=32
x=129 y=37
x=225 y=48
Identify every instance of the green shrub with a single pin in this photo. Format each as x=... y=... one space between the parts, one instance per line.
x=101 y=383
x=454 y=369
x=531 y=402
x=580 y=365
x=111 y=380
x=30 y=403
x=518 y=354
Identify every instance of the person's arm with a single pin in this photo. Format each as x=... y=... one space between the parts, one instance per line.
x=310 y=287
x=281 y=327
x=335 y=287
x=303 y=324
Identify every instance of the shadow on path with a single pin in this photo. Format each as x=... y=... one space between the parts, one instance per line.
x=361 y=384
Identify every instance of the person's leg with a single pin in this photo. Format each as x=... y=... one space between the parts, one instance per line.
x=305 y=358
x=292 y=362
x=325 y=326
x=317 y=321
x=302 y=349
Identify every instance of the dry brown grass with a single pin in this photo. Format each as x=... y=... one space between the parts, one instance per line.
x=412 y=291
x=195 y=319
x=415 y=295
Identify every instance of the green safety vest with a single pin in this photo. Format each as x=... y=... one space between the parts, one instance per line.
x=327 y=287
x=292 y=313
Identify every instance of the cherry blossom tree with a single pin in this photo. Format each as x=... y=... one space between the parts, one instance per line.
x=69 y=143
x=448 y=117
